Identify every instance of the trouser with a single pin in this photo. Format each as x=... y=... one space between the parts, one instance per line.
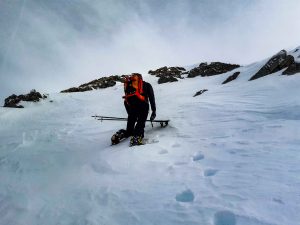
x=137 y=116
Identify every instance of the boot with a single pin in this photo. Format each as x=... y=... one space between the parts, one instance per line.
x=118 y=136
x=136 y=140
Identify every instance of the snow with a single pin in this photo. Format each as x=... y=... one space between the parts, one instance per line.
x=296 y=54
x=229 y=156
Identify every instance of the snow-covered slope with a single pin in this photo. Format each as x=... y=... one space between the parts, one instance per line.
x=230 y=156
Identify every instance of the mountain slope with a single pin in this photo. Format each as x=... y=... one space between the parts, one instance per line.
x=230 y=156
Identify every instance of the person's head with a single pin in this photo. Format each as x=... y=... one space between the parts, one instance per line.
x=136 y=76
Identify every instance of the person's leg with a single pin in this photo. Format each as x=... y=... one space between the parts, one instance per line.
x=132 y=118
x=141 y=120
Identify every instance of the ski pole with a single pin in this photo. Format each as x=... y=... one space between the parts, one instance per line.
x=124 y=119
x=163 y=123
x=108 y=117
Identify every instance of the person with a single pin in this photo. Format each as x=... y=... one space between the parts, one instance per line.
x=138 y=94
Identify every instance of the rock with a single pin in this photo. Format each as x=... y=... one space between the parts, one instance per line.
x=77 y=89
x=200 y=92
x=211 y=69
x=231 y=78
x=276 y=63
x=103 y=82
x=13 y=100
x=292 y=69
x=72 y=89
x=168 y=74
x=166 y=79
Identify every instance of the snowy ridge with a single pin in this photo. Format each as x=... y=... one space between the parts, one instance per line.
x=230 y=156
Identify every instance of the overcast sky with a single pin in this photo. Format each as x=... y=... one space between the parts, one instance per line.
x=53 y=45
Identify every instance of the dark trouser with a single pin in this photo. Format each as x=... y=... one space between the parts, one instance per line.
x=137 y=116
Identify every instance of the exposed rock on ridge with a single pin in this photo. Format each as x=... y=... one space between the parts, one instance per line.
x=103 y=82
x=278 y=62
x=168 y=74
x=231 y=78
x=200 y=92
x=211 y=69
x=13 y=100
x=292 y=69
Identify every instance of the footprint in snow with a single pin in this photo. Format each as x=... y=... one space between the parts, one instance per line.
x=198 y=156
x=180 y=163
x=242 y=142
x=210 y=172
x=224 y=218
x=279 y=201
x=232 y=152
x=164 y=151
x=176 y=145
x=185 y=196
x=150 y=141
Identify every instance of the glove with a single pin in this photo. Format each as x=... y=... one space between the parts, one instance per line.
x=153 y=115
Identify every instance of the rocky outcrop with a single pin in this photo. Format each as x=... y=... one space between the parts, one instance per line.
x=103 y=82
x=77 y=89
x=231 y=78
x=168 y=74
x=292 y=69
x=278 y=62
x=211 y=69
x=200 y=92
x=167 y=79
x=13 y=100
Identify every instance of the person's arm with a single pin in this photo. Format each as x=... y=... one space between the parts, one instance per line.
x=151 y=98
